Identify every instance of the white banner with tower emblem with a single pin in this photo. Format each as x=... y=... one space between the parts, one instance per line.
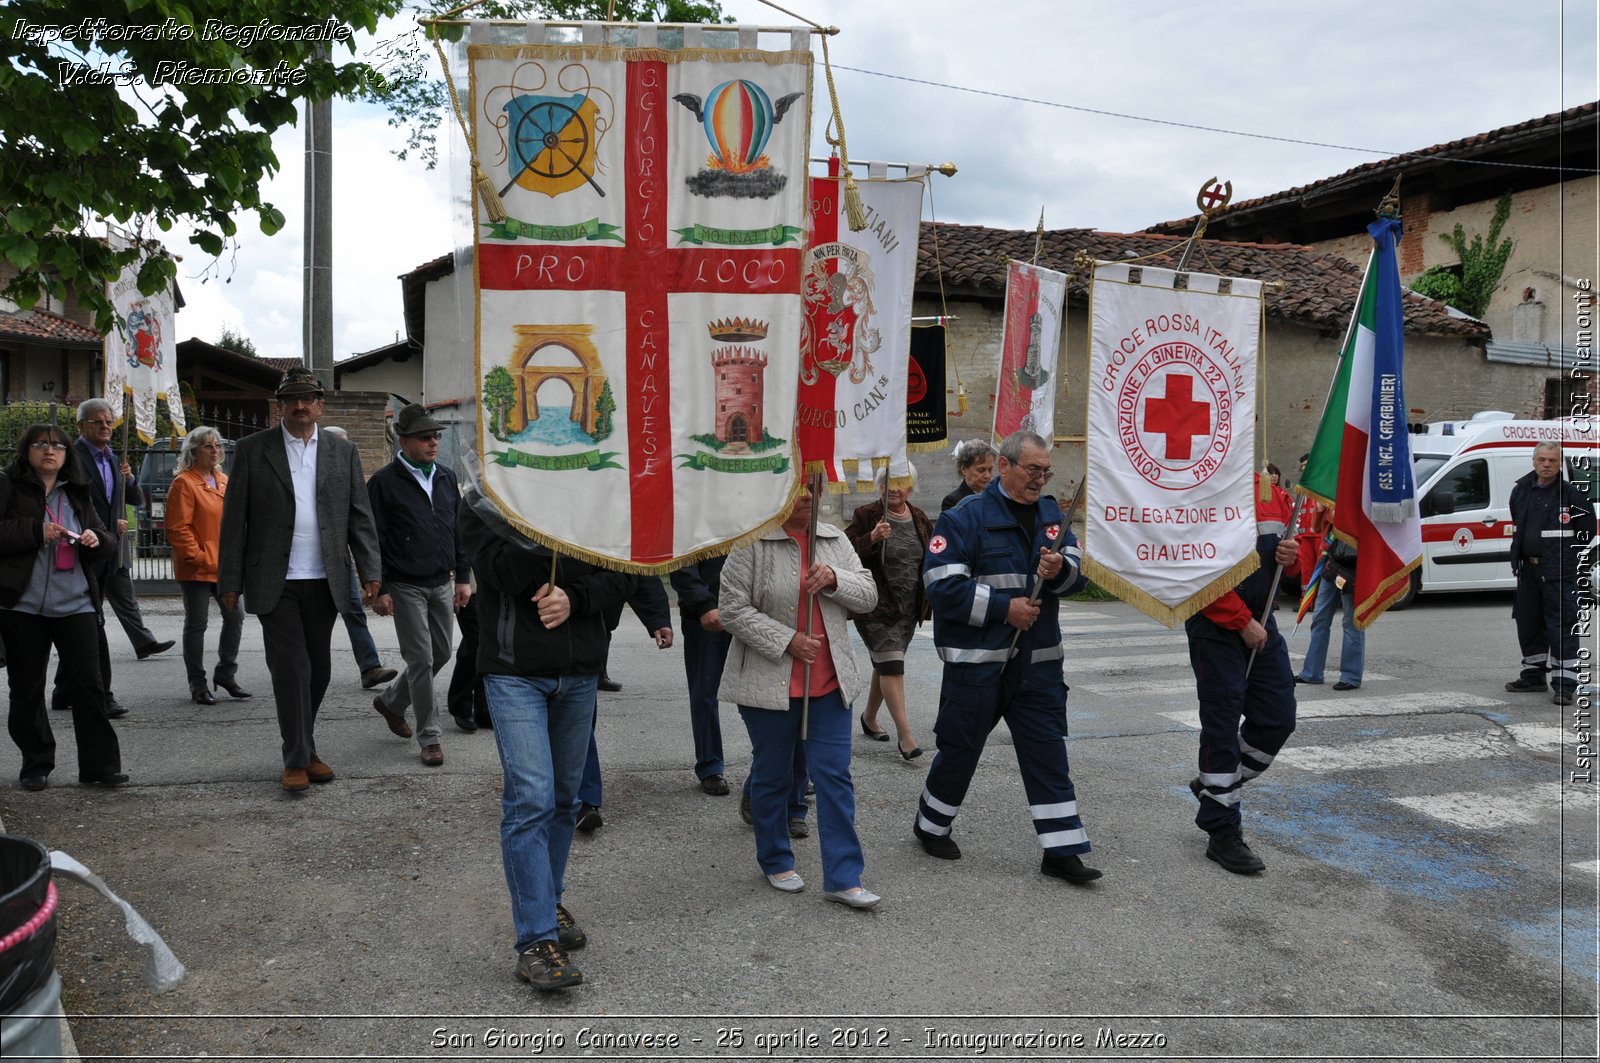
x=141 y=352
x=856 y=340
x=638 y=304
x=1169 y=508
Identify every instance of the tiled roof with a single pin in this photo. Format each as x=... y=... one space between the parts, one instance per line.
x=282 y=363
x=41 y=326
x=1319 y=290
x=1505 y=139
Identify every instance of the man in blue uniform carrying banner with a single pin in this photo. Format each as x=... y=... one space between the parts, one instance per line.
x=979 y=570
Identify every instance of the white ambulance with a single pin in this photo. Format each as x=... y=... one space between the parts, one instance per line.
x=1464 y=472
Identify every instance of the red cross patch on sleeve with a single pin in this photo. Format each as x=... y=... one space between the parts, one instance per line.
x=937 y=544
x=1052 y=531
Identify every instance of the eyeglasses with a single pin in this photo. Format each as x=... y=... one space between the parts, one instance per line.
x=41 y=444
x=1042 y=473
x=425 y=437
x=209 y=446
x=101 y=424
x=300 y=400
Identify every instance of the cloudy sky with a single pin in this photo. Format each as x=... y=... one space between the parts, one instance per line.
x=1319 y=88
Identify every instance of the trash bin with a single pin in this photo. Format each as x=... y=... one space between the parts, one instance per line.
x=30 y=991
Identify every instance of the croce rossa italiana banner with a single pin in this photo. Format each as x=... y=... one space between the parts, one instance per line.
x=1169 y=506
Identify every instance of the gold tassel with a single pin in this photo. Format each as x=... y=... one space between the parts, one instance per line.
x=486 y=192
x=1264 y=485
x=853 y=210
x=962 y=405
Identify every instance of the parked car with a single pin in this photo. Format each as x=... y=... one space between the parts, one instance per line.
x=156 y=471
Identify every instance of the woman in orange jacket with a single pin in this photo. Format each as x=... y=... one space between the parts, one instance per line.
x=194 y=530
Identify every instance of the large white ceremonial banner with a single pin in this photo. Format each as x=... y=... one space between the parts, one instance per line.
x=141 y=355
x=638 y=307
x=1025 y=386
x=1170 y=522
x=856 y=341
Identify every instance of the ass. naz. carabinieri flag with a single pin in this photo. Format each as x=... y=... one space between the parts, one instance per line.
x=1025 y=387
x=1361 y=459
x=855 y=343
x=638 y=310
x=1170 y=519
x=141 y=353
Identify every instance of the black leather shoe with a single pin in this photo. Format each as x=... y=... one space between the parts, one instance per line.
x=1070 y=868
x=1342 y=686
x=155 y=648
x=589 y=819
x=116 y=710
x=231 y=686
x=609 y=685
x=1233 y=854
x=941 y=845
x=106 y=782
x=35 y=782
x=1526 y=686
x=465 y=723
x=201 y=696
x=715 y=785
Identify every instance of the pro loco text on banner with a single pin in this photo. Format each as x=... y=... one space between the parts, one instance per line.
x=1169 y=508
x=638 y=310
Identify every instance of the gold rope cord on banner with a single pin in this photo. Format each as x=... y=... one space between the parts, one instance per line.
x=481 y=182
x=944 y=309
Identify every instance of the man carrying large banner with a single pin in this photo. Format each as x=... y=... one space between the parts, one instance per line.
x=1169 y=510
x=638 y=307
x=1025 y=387
x=141 y=356
x=1361 y=458
x=856 y=339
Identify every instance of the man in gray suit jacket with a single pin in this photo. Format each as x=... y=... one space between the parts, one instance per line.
x=295 y=513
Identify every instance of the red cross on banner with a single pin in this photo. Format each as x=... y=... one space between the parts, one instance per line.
x=638 y=311
x=1178 y=416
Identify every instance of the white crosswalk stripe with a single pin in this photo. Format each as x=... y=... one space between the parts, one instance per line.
x=1399 y=752
x=1390 y=705
x=1488 y=811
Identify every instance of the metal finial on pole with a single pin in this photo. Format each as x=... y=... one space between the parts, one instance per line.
x=1038 y=238
x=1390 y=205
x=1212 y=197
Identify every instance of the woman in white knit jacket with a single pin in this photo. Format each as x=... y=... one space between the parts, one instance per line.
x=760 y=604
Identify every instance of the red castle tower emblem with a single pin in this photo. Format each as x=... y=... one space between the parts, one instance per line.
x=741 y=380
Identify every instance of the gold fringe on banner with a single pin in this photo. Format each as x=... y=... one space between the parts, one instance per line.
x=568 y=549
x=1170 y=616
x=617 y=53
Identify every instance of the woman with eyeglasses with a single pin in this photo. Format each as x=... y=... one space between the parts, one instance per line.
x=50 y=539
x=194 y=529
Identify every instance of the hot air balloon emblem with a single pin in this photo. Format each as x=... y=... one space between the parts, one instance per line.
x=738 y=118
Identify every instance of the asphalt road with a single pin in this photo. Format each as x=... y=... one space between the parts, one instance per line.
x=1430 y=892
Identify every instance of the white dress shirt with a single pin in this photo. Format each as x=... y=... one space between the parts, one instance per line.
x=305 y=552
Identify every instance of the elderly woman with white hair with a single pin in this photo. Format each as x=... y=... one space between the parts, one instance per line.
x=891 y=542
x=975 y=463
x=194 y=529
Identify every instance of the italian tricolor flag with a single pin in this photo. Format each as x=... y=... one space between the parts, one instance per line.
x=1361 y=460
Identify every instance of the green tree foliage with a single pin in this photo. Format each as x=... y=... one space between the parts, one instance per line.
x=418 y=101
x=499 y=392
x=1441 y=283
x=1483 y=260
x=152 y=113
x=604 y=407
x=237 y=342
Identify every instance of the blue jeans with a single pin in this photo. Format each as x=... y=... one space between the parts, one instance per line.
x=773 y=737
x=798 y=809
x=704 y=653
x=355 y=625
x=589 y=790
x=1352 y=655
x=540 y=727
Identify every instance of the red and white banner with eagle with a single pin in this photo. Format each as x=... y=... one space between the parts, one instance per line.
x=1025 y=386
x=638 y=307
x=1170 y=520
x=856 y=340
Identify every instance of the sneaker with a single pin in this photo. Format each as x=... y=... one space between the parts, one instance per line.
x=1561 y=697
x=589 y=819
x=568 y=932
x=1229 y=850
x=1070 y=868
x=941 y=845
x=798 y=829
x=1526 y=686
x=546 y=968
